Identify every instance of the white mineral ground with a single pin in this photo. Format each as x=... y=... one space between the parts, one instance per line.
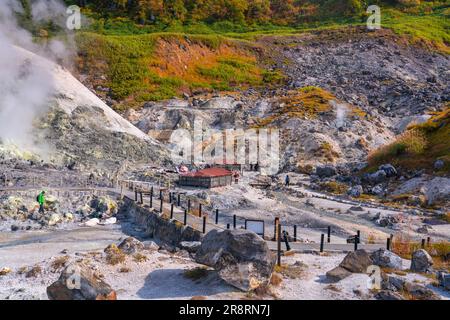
x=161 y=277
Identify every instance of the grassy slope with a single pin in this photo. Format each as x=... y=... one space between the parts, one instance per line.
x=163 y=65
x=133 y=62
x=419 y=147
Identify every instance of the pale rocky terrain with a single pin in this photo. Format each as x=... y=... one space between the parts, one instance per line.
x=91 y=145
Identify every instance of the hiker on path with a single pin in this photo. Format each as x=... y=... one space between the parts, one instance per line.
x=41 y=201
x=287 y=181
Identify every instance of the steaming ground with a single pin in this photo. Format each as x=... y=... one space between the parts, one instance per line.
x=77 y=127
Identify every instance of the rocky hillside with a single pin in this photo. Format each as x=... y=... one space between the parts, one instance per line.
x=372 y=70
x=79 y=130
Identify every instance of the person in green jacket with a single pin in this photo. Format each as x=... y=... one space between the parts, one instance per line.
x=41 y=200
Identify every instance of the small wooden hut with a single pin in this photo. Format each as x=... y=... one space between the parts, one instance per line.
x=207 y=178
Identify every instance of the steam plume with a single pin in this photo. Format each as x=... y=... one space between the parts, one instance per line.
x=25 y=86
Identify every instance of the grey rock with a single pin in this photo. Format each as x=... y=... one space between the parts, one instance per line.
x=422 y=230
x=131 y=245
x=387 y=259
x=88 y=287
x=356 y=208
x=190 y=246
x=444 y=280
x=421 y=261
x=420 y=292
x=337 y=274
x=357 y=261
x=387 y=221
x=355 y=191
x=241 y=258
x=439 y=164
x=326 y=171
x=388 y=295
x=389 y=169
x=377 y=177
x=378 y=190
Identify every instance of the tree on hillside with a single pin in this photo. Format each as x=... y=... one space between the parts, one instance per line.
x=284 y=11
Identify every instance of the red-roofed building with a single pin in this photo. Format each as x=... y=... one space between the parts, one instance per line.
x=207 y=178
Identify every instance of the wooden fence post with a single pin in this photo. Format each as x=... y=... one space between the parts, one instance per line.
x=279 y=244
x=204 y=225
x=151 y=197
x=329 y=234
x=275 y=228
x=217 y=216
x=322 y=239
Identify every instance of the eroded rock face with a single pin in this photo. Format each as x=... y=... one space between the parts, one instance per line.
x=421 y=261
x=241 y=258
x=78 y=282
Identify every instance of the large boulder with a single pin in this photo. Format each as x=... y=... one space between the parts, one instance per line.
x=421 y=261
x=357 y=261
x=241 y=258
x=131 y=245
x=78 y=282
x=387 y=259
